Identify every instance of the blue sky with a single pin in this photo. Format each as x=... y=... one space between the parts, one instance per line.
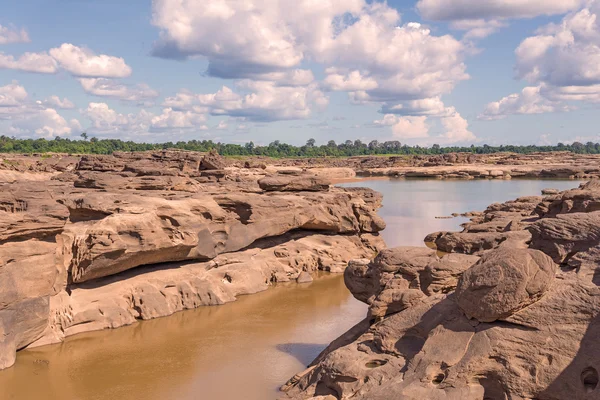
x=421 y=72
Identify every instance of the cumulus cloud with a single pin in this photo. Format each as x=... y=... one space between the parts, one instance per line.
x=105 y=121
x=56 y=102
x=478 y=28
x=255 y=101
x=76 y=60
x=267 y=36
x=181 y=120
x=45 y=123
x=12 y=95
x=10 y=34
x=561 y=62
x=433 y=106
x=450 y=10
x=33 y=118
x=406 y=127
x=111 y=88
x=41 y=63
x=529 y=101
x=456 y=128
x=84 y=62
x=364 y=46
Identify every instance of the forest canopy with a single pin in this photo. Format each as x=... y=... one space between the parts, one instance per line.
x=273 y=149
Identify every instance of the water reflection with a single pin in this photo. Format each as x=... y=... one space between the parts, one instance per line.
x=410 y=207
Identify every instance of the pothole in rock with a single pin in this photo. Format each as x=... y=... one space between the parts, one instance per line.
x=438 y=379
x=589 y=378
x=376 y=363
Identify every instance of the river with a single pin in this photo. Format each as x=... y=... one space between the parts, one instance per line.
x=246 y=349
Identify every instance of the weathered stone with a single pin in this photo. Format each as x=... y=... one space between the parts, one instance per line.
x=294 y=184
x=504 y=281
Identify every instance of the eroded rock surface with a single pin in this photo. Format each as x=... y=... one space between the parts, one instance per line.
x=518 y=319
x=103 y=241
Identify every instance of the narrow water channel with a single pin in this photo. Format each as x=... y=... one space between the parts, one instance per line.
x=247 y=349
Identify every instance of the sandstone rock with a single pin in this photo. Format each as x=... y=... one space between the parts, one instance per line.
x=97 y=180
x=476 y=243
x=504 y=281
x=304 y=277
x=28 y=276
x=443 y=356
x=550 y=191
x=293 y=184
x=213 y=160
x=160 y=290
x=28 y=210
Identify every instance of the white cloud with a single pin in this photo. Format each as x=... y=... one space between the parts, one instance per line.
x=170 y=119
x=406 y=127
x=562 y=63
x=85 y=63
x=33 y=118
x=12 y=95
x=529 y=101
x=351 y=82
x=75 y=60
x=258 y=101
x=567 y=54
x=107 y=122
x=222 y=126
x=364 y=48
x=364 y=44
x=45 y=123
x=449 y=10
x=110 y=88
x=478 y=28
x=29 y=62
x=457 y=128
x=56 y=102
x=10 y=34
x=267 y=37
x=431 y=106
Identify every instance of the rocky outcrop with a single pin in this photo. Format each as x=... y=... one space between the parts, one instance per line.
x=504 y=281
x=521 y=321
x=294 y=183
x=137 y=236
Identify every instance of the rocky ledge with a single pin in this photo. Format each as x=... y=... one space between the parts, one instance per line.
x=99 y=242
x=507 y=309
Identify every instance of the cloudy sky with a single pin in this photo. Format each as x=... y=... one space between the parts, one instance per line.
x=419 y=71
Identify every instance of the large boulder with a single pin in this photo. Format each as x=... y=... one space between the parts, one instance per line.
x=504 y=281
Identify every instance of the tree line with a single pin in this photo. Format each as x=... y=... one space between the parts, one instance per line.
x=274 y=149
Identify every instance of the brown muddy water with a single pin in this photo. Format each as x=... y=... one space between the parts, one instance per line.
x=247 y=349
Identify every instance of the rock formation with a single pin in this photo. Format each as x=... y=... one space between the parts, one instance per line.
x=511 y=311
x=104 y=241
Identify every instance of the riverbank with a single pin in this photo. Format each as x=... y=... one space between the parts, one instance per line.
x=562 y=165
x=510 y=311
x=103 y=242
